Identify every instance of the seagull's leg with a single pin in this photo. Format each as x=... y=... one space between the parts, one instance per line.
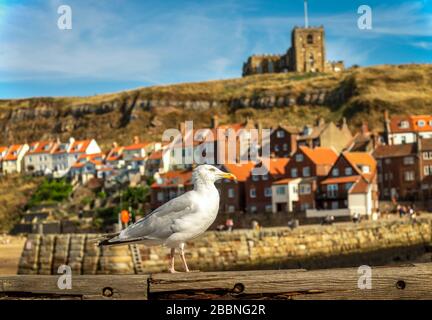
x=171 y=267
x=182 y=255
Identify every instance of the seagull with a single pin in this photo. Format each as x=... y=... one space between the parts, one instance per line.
x=180 y=219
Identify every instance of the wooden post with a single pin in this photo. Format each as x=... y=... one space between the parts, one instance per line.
x=395 y=282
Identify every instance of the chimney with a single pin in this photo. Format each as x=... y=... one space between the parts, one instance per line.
x=136 y=140
x=214 y=122
x=182 y=128
x=115 y=145
x=320 y=122
x=365 y=128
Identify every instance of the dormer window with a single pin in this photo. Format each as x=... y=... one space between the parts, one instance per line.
x=280 y=134
x=404 y=124
x=365 y=169
x=421 y=123
x=299 y=157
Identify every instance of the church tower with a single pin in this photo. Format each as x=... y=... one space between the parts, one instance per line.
x=308 y=47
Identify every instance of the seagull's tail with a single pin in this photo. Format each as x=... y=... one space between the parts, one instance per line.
x=112 y=239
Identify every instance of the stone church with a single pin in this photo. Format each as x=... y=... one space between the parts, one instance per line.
x=307 y=54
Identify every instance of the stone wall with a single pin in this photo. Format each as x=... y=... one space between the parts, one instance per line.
x=344 y=244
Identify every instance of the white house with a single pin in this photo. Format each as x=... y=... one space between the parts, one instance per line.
x=39 y=157
x=3 y=152
x=13 y=160
x=284 y=194
x=407 y=129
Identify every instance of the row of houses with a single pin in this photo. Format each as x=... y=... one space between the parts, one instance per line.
x=313 y=170
x=325 y=169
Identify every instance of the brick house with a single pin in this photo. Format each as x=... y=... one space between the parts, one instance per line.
x=351 y=184
x=283 y=141
x=232 y=194
x=296 y=191
x=405 y=170
x=258 y=188
x=170 y=185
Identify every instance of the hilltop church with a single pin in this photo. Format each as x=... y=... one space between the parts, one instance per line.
x=307 y=54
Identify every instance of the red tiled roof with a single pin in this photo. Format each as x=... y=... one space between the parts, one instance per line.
x=42 y=147
x=320 y=155
x=137 y=146
x=12 y=153
x=277 y=166
x=396 y=150
x=361 y=186
x=413 y=122
x=115 y=154
x=174 y=178
x=336 y=180
x=241 y=171
x=284 y=181
x=358 y=159
x=80 y=146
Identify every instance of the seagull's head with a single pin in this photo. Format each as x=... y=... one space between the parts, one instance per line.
x=210 y=173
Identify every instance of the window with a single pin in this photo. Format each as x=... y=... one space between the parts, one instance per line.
x=285 y=147
x=276 y=147
x=332 y=190
x=268 y=208
x=160 y=196
x=404 y=124
x=280 y=134
x=252 y=193
x=421 y=123
x=305 y=189
x=348 y=186
x=231 y=193
x=348 y=171
x=426 y=170
x=299 y=157
x=265 y=177
x=294 y=173
x=268 y=192
x=409 y=175
x=306 y=171
x=335 y=172
x=231 y=209
x=387 y=161
x=310 y=39
x=255 y=177
x=365 y=169
x=403 y=139
x=426 y=155
x=280 y=190
x=335 y=205
x=253 y=209
x=304 y=206
x=408 y=160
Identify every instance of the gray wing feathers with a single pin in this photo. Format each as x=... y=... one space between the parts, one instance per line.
x=162 y=222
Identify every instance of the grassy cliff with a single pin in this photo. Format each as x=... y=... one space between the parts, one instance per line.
x=359 y=94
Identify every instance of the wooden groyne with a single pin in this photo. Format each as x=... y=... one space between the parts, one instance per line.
x=395 y=282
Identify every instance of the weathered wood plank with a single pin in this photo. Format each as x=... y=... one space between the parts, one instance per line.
x=405 y=282
x=115 y=287
x=401 y=282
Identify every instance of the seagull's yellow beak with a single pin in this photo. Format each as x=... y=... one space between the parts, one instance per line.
x=230 y=176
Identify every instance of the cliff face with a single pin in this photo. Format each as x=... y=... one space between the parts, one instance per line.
x=357 y=94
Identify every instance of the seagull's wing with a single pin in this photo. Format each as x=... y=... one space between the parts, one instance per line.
x=160 y=223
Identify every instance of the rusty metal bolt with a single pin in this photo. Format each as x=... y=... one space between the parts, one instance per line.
x=107 y=292
x=400 y=284
x=238 y=288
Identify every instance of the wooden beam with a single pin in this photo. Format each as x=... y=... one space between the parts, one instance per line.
x=395 y=282
x=115 y=287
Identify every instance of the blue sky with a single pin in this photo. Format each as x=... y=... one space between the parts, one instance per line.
x=116 y=45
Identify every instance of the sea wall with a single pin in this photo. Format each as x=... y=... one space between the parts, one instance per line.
x=344 y=244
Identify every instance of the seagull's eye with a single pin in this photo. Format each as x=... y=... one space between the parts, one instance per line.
x=212 y=169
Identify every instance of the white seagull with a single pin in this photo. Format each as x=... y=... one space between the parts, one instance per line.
x=180 y=219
